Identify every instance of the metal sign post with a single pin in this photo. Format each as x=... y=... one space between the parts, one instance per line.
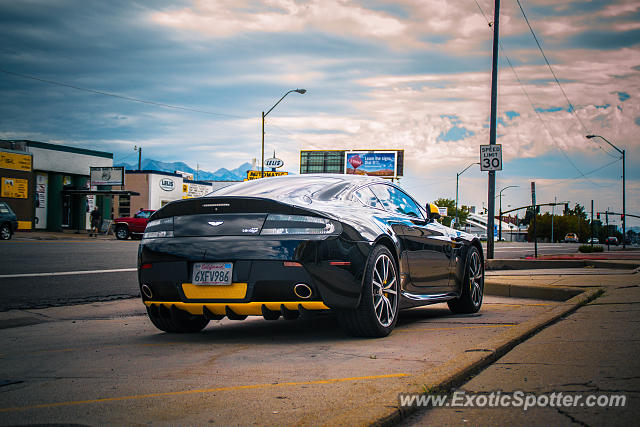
x=534 y=207
x=591 y=223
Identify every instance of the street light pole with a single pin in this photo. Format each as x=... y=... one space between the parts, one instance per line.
x=139 y=150
x=301 y=92
x=624 y=210
x=500 y=218
x=457 y=178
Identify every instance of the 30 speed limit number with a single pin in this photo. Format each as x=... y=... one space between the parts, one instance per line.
x=491 y=157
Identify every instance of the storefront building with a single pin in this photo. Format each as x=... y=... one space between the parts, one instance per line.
x=54 y=192
x=17 y=183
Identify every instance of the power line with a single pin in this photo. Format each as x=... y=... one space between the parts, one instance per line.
x=113 y=95
x=572 y=109
x=522 y=86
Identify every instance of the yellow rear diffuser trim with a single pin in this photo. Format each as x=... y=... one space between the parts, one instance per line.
x=232 y=291
x=248 y=308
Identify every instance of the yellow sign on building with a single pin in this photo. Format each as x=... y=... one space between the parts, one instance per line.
x=15 y=188
x=258 y=174
x=15 y=161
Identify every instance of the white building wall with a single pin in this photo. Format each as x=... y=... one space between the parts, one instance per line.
x=65 y=162
x=161 y=195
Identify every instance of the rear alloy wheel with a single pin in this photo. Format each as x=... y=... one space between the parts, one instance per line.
x=5 y=232
x=472 y=288
x=175 y=320
x=377 y=313
x=122 y=232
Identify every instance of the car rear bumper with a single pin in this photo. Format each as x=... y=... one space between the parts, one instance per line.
x=265 y=272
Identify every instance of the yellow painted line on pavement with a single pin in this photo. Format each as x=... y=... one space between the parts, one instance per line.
x=200 y=391
x=497 y=304
x=87 y=240
x=507 y=325
x=91 y=348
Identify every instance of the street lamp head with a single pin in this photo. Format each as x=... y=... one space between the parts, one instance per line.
x=301 y=91
x=591 y=136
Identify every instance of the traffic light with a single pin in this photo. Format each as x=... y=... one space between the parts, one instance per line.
x=598 y=216
x=622 y=217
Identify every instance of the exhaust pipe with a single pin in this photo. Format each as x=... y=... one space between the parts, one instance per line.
x=146 y=290
x=302 y=290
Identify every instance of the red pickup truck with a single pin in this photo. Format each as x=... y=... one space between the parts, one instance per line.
x=132 y=226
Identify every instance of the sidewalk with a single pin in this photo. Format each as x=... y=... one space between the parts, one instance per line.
x=594 y=350
x=59 y=235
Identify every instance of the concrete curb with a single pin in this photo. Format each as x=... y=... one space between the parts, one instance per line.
x=531 y=264
x=381 y=412
x=552 y=293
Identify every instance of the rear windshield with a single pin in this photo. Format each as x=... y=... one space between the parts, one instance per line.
x=286 y=188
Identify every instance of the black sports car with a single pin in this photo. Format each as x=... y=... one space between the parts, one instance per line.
x=282 y=246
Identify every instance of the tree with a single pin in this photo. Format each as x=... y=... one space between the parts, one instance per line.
x=528 y=216
x=578 y=211
x=450 y=204
x=562 y=225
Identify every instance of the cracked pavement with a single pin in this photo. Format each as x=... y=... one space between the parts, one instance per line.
x=593 y=350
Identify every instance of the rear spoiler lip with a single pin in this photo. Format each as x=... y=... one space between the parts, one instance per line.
x=224 y=205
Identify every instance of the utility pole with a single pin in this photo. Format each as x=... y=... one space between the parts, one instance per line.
x=534 y=206
x=592 y=223
x=624 y=205
x=553 y=213
x=492 y=130
x=139 y=150
x=606 y=216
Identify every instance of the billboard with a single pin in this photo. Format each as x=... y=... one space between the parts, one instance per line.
x=375 y=163
x=111 y=175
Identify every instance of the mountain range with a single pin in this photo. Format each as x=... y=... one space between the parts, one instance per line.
x=222 y=174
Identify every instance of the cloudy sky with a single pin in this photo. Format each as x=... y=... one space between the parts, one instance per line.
x=404 y=74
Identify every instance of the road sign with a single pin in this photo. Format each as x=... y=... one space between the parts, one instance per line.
x=442 y=210
x=491 y=157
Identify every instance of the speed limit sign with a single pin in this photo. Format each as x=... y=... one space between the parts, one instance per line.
x=491 y=157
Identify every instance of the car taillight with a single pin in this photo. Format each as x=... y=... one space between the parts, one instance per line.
x=159 y=228
x=277 y=224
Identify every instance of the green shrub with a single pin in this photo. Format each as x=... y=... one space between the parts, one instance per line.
x=589 y=248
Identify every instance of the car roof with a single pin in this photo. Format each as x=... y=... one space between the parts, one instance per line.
x=313 y=186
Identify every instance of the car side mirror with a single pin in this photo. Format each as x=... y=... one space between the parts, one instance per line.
x=432 y=212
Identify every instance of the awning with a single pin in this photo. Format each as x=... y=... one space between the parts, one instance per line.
x=101 y=192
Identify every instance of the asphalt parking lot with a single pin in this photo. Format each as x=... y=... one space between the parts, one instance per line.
x=104 y=363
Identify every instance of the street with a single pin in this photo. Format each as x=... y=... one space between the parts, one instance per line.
x=41 y=273
x=44 y=273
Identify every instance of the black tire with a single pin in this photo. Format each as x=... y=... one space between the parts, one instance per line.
x=377 y=312
x=472 y=286
x=5 y=232
x=176 y=320
x=122 y=232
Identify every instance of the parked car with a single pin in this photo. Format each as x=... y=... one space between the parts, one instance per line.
x=611 y=240
x=593 y=240
x=571 y=238
x=132 y=226
x=282 y=246
x=8 y=221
